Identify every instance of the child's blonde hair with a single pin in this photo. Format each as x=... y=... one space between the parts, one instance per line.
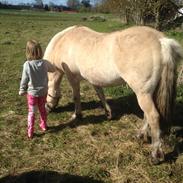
x=33 y=50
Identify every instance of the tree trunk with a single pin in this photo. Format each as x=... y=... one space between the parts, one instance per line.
x=157 y=20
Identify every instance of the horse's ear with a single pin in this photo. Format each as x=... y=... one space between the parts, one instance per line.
x=50 y=66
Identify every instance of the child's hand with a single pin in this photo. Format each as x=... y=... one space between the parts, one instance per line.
x=21 y=93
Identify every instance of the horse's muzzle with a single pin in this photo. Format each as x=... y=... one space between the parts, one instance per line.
x=48 y=108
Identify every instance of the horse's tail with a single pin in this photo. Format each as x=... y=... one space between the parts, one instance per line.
x=51 y=45
x=166 y=91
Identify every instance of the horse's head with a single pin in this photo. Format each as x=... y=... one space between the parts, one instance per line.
x=53 y=95
x=52 y=102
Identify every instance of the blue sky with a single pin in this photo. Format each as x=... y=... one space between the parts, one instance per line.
x=63 y=2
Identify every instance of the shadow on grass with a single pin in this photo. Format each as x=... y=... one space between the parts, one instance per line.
x=177 y=151
x=177 y=131
x=178 y=115
x=119 y=107
x=47 y=177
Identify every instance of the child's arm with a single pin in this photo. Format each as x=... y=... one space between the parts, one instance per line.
x=50 y=67
x=24 y=80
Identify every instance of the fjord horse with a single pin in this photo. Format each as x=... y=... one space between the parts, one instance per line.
x=142 y=57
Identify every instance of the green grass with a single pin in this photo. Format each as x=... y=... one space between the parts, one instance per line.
x=87 y=150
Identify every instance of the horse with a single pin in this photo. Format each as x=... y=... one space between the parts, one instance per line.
x=140 y=56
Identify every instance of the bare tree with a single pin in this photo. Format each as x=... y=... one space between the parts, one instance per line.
x=4 y=2
x=39 y=3
x=86 y=3
x=142 y=12
x=74 y=4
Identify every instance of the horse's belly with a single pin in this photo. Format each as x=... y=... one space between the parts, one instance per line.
x=105 y=83
x=102 y=78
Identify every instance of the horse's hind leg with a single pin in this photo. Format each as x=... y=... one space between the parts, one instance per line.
x=75 y=84
x=101 y=96
x=147 y=105
x=144 y=132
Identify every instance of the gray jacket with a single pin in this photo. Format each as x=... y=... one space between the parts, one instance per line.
x=34 y=78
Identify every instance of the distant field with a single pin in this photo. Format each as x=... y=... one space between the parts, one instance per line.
x=90 y=150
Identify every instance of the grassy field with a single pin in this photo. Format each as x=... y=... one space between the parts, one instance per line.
x=90 y=150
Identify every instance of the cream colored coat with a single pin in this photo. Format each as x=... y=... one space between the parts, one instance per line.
x=141 y=56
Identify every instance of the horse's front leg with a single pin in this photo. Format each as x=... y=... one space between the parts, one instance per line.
x=152 y=116
x=74 y=81
x=101 y=96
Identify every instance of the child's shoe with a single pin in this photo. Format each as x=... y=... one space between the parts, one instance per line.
x=43 y=128
x=30 y=134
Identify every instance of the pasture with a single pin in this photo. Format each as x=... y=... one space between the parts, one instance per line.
x=89 y=150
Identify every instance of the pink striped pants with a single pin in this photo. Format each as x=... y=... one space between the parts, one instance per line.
x=33 y=102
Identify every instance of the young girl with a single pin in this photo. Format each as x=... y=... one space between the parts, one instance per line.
x=34 y=83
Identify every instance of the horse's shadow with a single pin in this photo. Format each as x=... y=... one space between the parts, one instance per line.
x=47 y=177
x=177 y=131
x=177 y=124
x=119 y=107
x=178 y=114
x=177 y=151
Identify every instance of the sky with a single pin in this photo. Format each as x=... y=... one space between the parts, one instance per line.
x=59 y=2
x=63 y=2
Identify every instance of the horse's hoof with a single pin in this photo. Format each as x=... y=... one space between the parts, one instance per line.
x=155 y=161
x=109 y=115
x=48 y=108
x=76 y=117
x=140 y=136
x=157 y=158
